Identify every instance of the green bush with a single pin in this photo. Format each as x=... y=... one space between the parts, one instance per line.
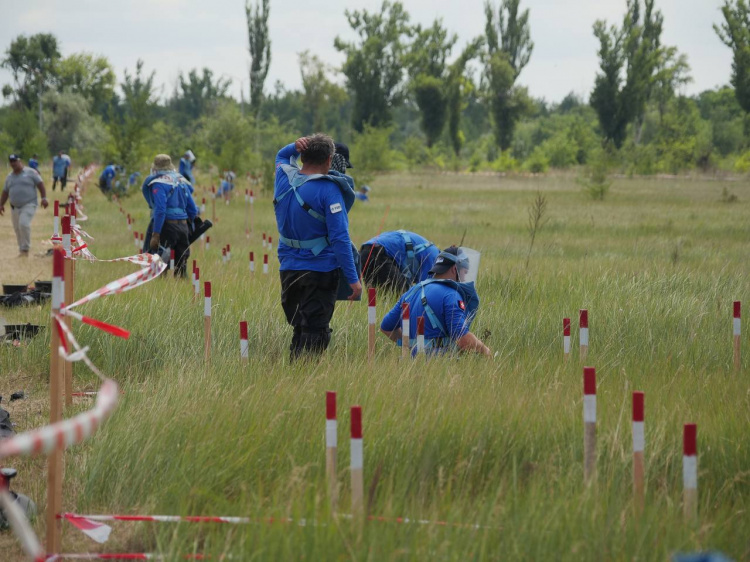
x=537 y=163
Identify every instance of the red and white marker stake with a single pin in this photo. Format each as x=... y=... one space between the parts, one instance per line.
x=207 y=320
x=135 y=240
x=171 y=260
x=224 y=256
x=141 y=235
x=566 y=338
x=690 y=471
x=371 y=322
x=270 y=244
x=197 y=293
x=72 y=211
x=736 y=331
x=583 y=336
x=639 y=446
x=229 y=252
x=252 y=263
x=244 y=347
x=208 y=242
x=193 y=282
x=589 y=424
x=203 y=206
x=331 y=447
x=252 y=214
x=66 y=235
x=265 y=264
x=264 y=240
x=130 y=224
x=357 y=463
x=56 y=224
x=405 y=331
x=420 y=336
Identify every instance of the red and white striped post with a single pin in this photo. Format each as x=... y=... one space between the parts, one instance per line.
x=72 y=212
x=420 y=336
x=130 y=223
x=229 y=252
x=639 y=446
x=331 y=448
x=252 y=205
x=135 y=240
x=405 y=331
x=55 y=459
x=207 y=320
x=252 y=263
x=270 y=244
x=244 y=347
x=141 y=235
x=265 y=264
x=56 y=238
x=589 y=424
x=197 y=293
x=566 y=339
x=371 y=322
x=69 y=267
x=171 y=260
x=690 y=471
x=264 y=240
x=357 y=463
x=193 y=280
x=203 y=207
x=583 y=334
x=736 y=330
x=208 y=242
x=224 y=255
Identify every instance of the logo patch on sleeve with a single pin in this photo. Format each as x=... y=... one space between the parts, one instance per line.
x=461 y=305
x=335 y=208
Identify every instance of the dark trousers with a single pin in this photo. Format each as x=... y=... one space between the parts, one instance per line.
x=381 y=270
x=175 y=236
x=308 y=299
x=63 y=180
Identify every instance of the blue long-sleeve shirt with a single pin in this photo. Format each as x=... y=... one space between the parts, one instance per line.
x=293 y=222
x=165 y=202
x=395 y=246
x=108 y=174
x=186 y=170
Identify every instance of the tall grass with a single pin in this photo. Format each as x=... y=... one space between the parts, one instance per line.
x=495 y=443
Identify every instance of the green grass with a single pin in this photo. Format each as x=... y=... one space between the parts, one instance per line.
x=494 y=443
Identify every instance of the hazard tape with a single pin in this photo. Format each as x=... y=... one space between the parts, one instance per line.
x=121 y=556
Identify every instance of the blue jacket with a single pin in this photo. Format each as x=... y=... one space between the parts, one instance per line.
x=447 y=304
x=326 y=199
x=108 y=174
x=225 y=187
x=186 y=170
x=133 y=178
x=34 y=164
x=168 y=197
x=394 y=244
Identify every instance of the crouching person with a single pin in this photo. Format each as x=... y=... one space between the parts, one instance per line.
x=448 y=301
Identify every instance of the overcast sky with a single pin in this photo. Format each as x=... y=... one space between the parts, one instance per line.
x=177 y=35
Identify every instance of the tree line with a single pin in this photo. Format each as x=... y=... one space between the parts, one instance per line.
x=411 y=98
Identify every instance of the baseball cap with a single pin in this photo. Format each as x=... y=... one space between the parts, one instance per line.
x=342 y=149
x=447 y=259
x=13 y=157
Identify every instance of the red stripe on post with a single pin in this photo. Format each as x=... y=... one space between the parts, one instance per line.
x=66 y=224
x=243 y=330
x=356 y=422
x=638 y=406
x=737 y=309
x=213 y=189
x=57 y=208
x=371 y=296
x=420 y=326
x=265 y=259
x=330 y=405
x=229 y=248
x=223 y=251
x=252 y=256
x=58 y=262
x=589 y=380
x=207 y=289
x=195 y=265
x=129 y=219
x=197 y=273
x=72 y=208
x=690 y=440
x=405 y=310
x=566 y=326
x=583 y=318
x=171 y=255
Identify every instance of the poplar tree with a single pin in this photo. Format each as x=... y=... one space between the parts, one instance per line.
x=259 y=44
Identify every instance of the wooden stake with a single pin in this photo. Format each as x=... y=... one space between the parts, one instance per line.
x=639 y=445
x=690 y=472
x=583 y=338
x=55 y=460
x=207 y=321
x=331 y=448
x=357 y=463
x=371 y=321
x=589 y=424
x=736 y=328
x=405 y=332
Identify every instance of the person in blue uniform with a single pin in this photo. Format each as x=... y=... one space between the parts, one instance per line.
x=361 y=195
x=397 y=259
x=311 y=205
x=34 y=163
x=187 y=163
x=227 y=185
x=60 y=169
x=172 y=206
x=133 y=179
x=449 y=305
x=106 y=178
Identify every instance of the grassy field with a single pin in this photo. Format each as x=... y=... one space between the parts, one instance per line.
x=496 y=443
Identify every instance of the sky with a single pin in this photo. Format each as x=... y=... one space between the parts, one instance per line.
x=173 y=36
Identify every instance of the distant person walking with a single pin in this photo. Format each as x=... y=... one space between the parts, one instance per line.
x=187 y=163
x=20 y=187
x=60 y=169
x=34 y=163
x=311 y=206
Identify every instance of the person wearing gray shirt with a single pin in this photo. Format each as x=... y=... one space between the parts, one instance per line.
x=20 y=187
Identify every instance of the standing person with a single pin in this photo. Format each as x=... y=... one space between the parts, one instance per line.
x=397 y=259
x=311 y=206
x=60 y=168
x=449 y=303
x=171 y=205
x=227 y=185
x=34 y=163
x=20 y=187
x=187 y=162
